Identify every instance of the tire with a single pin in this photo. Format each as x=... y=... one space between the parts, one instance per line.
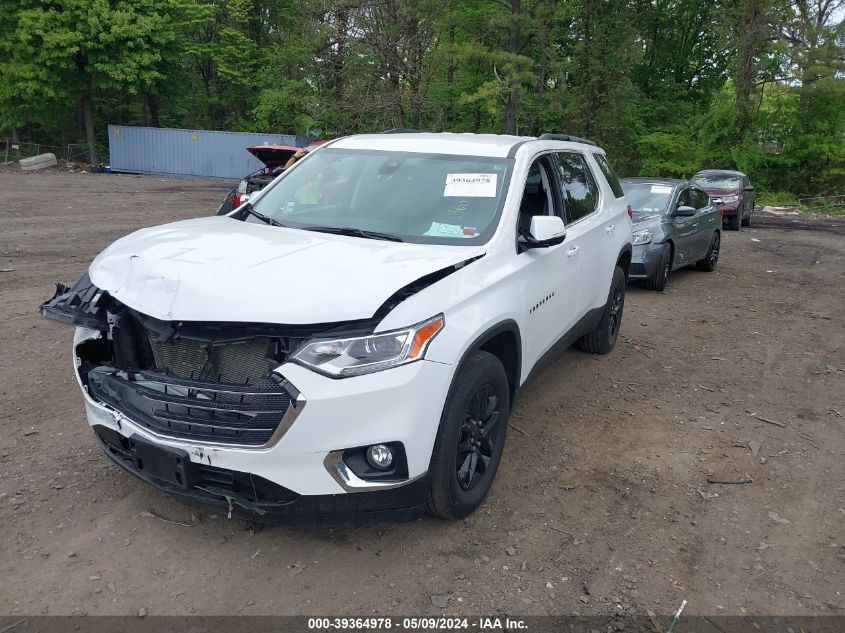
x=734 y=222
x=712 y=257
x=660 y=277
x=465 y=457
x=603 y=338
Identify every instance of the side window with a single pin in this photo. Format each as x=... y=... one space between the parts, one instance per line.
x=536 y=197
x=686 y=199
x=609 y=174
x=578 y=186
x=701 y=199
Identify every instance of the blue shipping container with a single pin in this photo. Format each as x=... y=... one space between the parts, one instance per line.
x=189 y=152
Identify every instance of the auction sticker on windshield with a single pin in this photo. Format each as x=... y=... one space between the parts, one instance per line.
x=661 y=189
x=470 y=185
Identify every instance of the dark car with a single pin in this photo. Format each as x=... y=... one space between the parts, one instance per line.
x=732 y=192
x=275 y=158
x=675 y=225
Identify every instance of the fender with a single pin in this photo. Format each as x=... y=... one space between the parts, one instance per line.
x=508 y=325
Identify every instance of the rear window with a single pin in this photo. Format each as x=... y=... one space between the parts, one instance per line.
x=609 y=174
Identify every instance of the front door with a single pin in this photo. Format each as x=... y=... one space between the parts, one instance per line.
x=550 y=276
x=684 y=230
x=709 y=220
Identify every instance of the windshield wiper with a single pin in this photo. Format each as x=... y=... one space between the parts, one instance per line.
x=248 y=208
x=353 y=232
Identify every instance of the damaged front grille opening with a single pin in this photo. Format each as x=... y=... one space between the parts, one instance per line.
x=211 y=382
x=208 y=388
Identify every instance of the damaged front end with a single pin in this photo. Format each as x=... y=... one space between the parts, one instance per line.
x=201 y=382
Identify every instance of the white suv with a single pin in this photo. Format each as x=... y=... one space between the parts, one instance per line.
x=349 y=344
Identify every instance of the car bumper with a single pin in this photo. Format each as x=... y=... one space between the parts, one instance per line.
x=645 y=258
x=728 y=210
x=401 y=405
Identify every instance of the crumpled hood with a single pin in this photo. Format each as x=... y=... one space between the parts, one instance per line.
x=221 y=269
x=645 y=220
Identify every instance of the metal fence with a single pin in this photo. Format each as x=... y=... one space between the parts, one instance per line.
x=189 y=152
x=12 y=151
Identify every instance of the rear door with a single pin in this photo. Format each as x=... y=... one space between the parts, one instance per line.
x=585 y=222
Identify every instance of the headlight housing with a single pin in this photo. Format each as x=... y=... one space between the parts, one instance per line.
x=354 y=356
x=643 y=237
x=729 y=199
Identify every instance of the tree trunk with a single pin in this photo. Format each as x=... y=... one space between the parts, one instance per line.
x=512 y=101
x=154 y=106
x=90 y=137
x=746 y=72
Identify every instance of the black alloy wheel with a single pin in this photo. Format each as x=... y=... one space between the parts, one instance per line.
x=476 y=444
x=471 y=437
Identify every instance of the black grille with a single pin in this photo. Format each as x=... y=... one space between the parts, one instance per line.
x=242 y=362
x=196 y=409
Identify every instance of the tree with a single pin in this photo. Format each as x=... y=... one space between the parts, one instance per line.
x=72 y=50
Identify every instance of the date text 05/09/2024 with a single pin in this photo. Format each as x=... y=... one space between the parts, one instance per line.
x=431 y=623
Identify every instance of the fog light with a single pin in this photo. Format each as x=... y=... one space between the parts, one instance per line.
x=379 y=456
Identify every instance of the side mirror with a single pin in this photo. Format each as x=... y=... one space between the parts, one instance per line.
x=545 y=231
x=748 y=188
x=684 y=212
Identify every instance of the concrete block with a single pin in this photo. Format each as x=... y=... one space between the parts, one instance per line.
x=41 y=161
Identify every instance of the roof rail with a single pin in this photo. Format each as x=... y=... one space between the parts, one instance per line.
x=402 y=130
x=564 y=137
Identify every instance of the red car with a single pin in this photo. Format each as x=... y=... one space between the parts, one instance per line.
x=732 y=192
x=274 y=157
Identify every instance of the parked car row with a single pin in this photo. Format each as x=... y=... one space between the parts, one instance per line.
x=348 y=343
x=678 y=223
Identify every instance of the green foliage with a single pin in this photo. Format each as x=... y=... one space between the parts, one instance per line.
x=666 y=87
x=777 y=199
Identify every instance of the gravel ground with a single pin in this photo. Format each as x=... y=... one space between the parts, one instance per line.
x=601 y=506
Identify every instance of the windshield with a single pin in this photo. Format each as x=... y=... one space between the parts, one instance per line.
x=647 y=197
x=717 y=181
x=422 y=198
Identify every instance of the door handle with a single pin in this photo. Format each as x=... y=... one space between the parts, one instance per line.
x=609 y=228
x=572 y=252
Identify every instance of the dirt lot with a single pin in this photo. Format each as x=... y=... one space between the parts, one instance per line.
x=602 y=503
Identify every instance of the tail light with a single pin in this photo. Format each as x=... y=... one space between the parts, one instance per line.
x=630 y=212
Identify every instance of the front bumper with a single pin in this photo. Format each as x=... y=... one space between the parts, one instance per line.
x=645 y=259
x=403 y=404
x=269 y=502
x=728 y=210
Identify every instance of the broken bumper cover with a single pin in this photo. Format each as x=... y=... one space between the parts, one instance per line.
x=645 y=258
x=401 y=405
x=270 y=502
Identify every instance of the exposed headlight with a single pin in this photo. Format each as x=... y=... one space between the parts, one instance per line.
x=643 y=237
x=728 y=199
x=340 y=358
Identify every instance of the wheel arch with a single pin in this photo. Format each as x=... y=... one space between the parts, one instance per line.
x=504 y=341
x=623 y=260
